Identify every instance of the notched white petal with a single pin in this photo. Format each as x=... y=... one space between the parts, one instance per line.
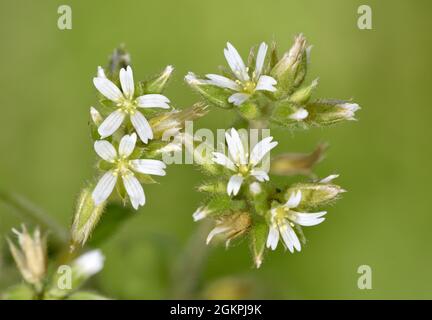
x=104 y=187
x=262 y=51
x=134 y=190
x=153 y=101
x=105 y=150
x=223 y=82
x=266 y=83
x=261 y=149
x=127 y=145
x=234 y=185
x=141 y=126
x=127 y=82
x=148 y=166
x=111 y=123
x=108 y=89
x=223 y=160
x=238 y=98
x=294 y=199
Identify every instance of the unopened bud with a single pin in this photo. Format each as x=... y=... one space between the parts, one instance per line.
x=230 y=227
x=303 y=95
x=86 y=217
x=290 y=71
x=288 y=164
x=158 y=84
x=31 y=256
x=316 y=194
x=326 y=112
x=96 y=116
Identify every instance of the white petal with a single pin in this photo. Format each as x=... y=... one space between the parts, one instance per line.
x=260 y=175
x=261 y=149
x=273 y=237
x=148 y=166
x=307 y=219
x=127 y=145
x=329 y=179
x=294 y=199
x=236 y=62
x=222 y=82
x=235 y=147
x=134 y=190
x=127 y=82
x=90 y=263
x=100 y=72
x=266 y=83
x=223 y=160
x=108 y=89
x=289 y=237
x=104 y=187
x=238 y=98
x=300 y=114
x=234 y=185
x=260 y=59
x=153 y=101
x=105 y=150
x=200 y=213
x=141 y=126
x=111 y=123
x=214 y=232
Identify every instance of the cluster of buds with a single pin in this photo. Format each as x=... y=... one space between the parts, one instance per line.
x=242 y=200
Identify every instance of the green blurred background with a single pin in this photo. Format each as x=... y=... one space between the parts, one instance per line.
x=383 y=221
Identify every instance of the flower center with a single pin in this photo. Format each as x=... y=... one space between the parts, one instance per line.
x=243 y=169
x=249 y=86
x=122 y=166
x=128 y=106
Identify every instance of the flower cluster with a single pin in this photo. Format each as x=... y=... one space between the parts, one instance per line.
x=266 y=92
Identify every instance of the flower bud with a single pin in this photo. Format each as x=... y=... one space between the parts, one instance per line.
x=120 y=58
x=96 y=116
x=230 y=227
x=213 y=187
x=291 y=69
x=31 y=257
x=303 y=95
x=326 y=112
x=158 y=84
x=212 y=94
x=289 y=164
x=316 y=194
x=86 y=217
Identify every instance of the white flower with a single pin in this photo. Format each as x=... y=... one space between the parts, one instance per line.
x=283 y=219
x=240 y=162
x=127 y=104
x=124 y=168
x=90 y=263
x=245 y=84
